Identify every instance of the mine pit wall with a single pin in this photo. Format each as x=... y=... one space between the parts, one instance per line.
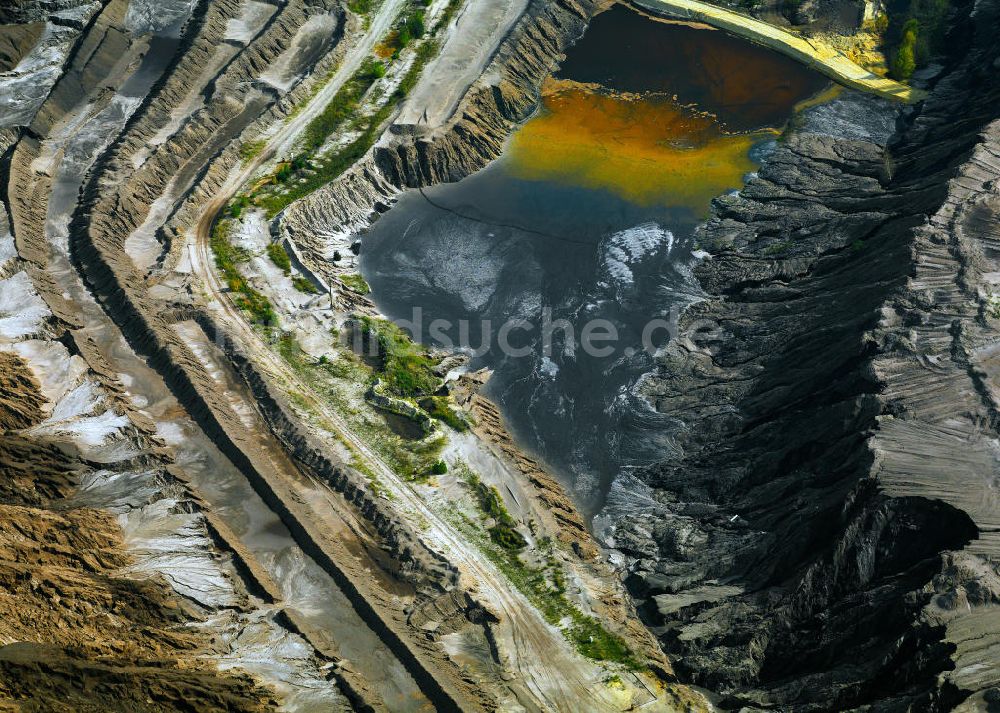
x=108 y=213
x=835 y=465
x=208 y=131
x=430 y=573
x=102 y=44
x=208 y=183
x=153 y=337
x=99 y=254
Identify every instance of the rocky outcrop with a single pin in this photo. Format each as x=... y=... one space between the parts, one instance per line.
x=16 y=41
x=378 y=396
x=823 y=537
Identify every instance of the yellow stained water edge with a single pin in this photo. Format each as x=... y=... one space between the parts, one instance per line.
x=648 y=150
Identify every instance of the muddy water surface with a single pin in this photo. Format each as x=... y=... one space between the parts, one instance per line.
x=587 y=218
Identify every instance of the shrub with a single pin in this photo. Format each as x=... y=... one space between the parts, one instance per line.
x=252 y=149
x=356 y=283
x=439 y=468
x=905 y=62
x=237 y=205
x=917 y=35
x=545 y=587
x=303 y=284
x=371 y=70
x=361 y=7
x=343 y=107
x=415 y=24
x=279 y=257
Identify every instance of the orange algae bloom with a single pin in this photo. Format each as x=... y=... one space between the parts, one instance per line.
x=647 y=150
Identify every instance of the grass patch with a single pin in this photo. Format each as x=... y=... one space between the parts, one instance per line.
x=279 y=257
x=439 y=407
x=356 y=283
x=251 y=150
x=254 y=303
x=237 y=205
x=447 y=14
x=362 y=7
x=779 y=247
x=504 y=533
x=304 y=285
x=406 y=369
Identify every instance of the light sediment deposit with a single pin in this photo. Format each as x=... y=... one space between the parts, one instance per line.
x=283 y=424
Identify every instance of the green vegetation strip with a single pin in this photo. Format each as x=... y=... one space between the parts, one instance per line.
x=307 y=172
x=279 y=257
x=356 y=283
x=544 y=587
x=254 y=303
x=304 y=285
x=504 y=533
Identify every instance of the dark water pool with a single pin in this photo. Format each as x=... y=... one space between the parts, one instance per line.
x=588 y=218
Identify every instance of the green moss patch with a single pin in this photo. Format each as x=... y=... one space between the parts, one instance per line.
x=356 y=283
x=304 y=285
x=440 y=408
